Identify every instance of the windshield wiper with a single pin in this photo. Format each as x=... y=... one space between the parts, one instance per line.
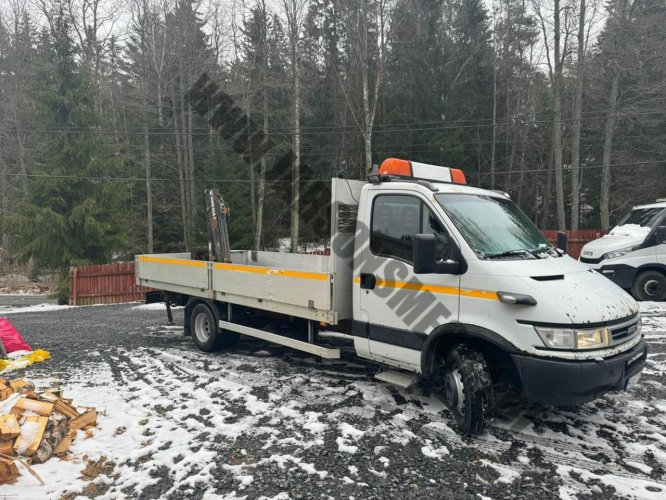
x=508 y=253
x=541 y=250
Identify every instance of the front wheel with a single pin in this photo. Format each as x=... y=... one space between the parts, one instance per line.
x=205 y=332
x=649 y=285
x=465 y=387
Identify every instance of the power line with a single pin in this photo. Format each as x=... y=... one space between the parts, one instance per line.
x=475 y=121
x=225 y=151
x=350 y=129
x=303 y=181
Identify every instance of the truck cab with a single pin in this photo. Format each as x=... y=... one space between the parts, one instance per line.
x=633 y=254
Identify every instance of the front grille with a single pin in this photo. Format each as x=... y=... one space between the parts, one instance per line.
x=625 y=331
x=587 y=260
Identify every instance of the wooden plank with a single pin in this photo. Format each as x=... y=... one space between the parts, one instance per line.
x=49 y=397
x=9 y=427
x=66 y=409
x=8 y=470
x=7 y=447
x=32 y=430
x=5 y=393
x=39 y=407
x=19 y=385
x=64 y=445
x=88 y=418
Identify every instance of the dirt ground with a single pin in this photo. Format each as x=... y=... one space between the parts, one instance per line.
x=262 y=421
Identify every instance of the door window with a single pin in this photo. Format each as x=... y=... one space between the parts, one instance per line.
x=395 y=221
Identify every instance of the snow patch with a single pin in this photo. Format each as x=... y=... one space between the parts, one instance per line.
x=344 y=447
x=350 y=431
x=36 y=308
x=631 y=487
x=633 y=230
x=506 y=474
x=434 y=452
x=155 y=306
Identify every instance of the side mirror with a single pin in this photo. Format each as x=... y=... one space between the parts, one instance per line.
x=425 y=257
x=660 y=235
x=562 y=241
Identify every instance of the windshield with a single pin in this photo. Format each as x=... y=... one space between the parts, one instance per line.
x=495 y=227
x=646 y=217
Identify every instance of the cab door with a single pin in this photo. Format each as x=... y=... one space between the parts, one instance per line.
x=399 y=307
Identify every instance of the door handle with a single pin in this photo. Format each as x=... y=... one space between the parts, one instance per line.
x=368 y=281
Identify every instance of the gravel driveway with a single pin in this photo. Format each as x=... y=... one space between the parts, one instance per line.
x=263 y=421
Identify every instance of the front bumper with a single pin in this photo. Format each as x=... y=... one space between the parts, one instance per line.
x=560 y=383
x=620 y=274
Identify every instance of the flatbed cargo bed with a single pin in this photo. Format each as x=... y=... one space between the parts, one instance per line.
x=314 y=287
x=292 y=284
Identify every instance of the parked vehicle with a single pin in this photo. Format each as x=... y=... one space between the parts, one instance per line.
x=435 y=279
x=633 y=254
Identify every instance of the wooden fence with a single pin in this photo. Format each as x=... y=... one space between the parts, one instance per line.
x=104 y=284
x=115 y=283
x=575 y=239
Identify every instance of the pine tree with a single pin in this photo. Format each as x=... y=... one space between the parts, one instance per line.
x=73 y=208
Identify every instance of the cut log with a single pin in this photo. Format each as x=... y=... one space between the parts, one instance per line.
x=5 y=393
x=64 y=445
x=56 y=391
x=43 y=453
x=49 y=397
x=63 y=407
x=32 y=430
x=88 y=418
x=9 y=427
x=20 y=385
x=7 y=447
x=39 y=407
x=8 y=470
x=55 y=432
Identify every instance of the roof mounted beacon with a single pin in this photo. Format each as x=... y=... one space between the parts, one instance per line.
x=404 y=168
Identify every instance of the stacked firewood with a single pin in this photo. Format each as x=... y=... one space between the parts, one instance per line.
x=34 y=426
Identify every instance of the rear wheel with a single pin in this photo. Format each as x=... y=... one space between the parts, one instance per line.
x=465 y=387
x=205 y=332
x=649 y=285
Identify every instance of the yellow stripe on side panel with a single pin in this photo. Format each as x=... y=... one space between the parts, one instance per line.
x=277 y=272
x=179 y=262
x=418 y=287
x=479 y=294
x=425 y=287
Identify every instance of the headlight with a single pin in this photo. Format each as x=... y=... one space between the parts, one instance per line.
x=564 y=338
x=618 y=253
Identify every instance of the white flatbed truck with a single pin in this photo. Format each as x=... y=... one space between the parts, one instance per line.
x=433 y=278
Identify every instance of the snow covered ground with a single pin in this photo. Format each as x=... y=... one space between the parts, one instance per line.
x=266 y=422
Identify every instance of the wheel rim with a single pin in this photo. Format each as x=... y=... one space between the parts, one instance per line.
x=652 y=288
x=202 y=328
x=454 y=393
